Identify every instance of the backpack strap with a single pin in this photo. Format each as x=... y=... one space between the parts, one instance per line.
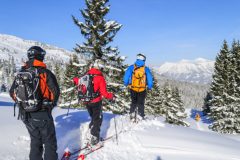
x=94 y=75
x=41 y=71
x=136 y=67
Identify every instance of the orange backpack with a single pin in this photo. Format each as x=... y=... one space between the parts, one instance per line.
x=138 y=79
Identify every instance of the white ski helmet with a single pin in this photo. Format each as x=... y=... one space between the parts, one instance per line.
x=141 y=56
x=99 y=64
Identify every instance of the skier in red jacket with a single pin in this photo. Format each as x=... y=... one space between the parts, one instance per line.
x=94 y=107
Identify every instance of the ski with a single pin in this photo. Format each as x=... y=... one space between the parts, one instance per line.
x=82 y=156
x=67 y=154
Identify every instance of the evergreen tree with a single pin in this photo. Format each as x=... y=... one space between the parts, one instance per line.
x=69 y=92
x=232 y=73
x=236 y=71
x=99 y=33
x=207 y=104
x=13 y=67
x=223 y=109
x=58 y=74
x=234 y=91
x=2 y=76
x=175 y=112
x=220 y=77
x=154 y=100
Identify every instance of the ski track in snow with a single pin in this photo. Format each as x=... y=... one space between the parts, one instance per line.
x=151 y=139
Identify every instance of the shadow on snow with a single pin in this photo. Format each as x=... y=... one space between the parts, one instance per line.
x=7 y=104
x=158 y=158
x=204 y=118
x=65 y=125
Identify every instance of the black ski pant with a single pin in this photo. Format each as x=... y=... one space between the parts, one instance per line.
x=41 y=129
x=95 y=112
x=138 y=100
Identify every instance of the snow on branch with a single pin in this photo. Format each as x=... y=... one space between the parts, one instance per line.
x=112 y=24
x=86 y=47
x=111 y=55
x=113 y=68
x=123 y=58
x=79 y=65
x=116 y=85
x=68 y=90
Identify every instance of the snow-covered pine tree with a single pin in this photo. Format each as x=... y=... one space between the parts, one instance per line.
x=8 y=70
x=223 y=104
x=2 y=76
x=220 y=76
x=178 y=100
x=69 y=92
x=99 y=33
x=13 y=67
x=232 y=73
x=154 y=100
x=206 y=105
x=175 y=112
x=57 y=71
x=234 y=93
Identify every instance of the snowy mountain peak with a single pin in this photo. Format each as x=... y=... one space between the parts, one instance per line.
x=197 y=71
x=202 y=60
x=12 y=46
x=197 y=60
x=184 y=61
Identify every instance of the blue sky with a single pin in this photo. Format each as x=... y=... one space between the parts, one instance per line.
x=164 y=30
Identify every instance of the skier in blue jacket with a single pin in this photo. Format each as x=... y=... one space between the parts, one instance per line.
x=138 y=78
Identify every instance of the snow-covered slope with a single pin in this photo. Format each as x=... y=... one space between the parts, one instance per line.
x=196 y=71
x=152 y=139
x=17 y=47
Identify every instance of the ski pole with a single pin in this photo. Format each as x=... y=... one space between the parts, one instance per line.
x=115 y=124
x=69 y=104
x=116 y=129
x=14 y=109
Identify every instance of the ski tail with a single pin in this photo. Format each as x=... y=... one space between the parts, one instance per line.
x=66 y=154
x=81 y=157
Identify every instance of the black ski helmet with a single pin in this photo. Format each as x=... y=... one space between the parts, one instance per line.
x=36 y=52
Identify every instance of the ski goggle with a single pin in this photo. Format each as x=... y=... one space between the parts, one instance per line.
x=34 y=52
x=141 y=57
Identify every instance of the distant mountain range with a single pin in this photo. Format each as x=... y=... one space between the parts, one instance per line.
x=195 y=71
x=177 y=74
x=17 y=47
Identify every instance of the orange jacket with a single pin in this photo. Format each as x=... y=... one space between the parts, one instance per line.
x=48 y=83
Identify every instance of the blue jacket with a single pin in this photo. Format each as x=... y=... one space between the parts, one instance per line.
x=128 y=74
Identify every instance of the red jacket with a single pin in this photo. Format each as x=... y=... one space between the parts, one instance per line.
x=99 y=85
